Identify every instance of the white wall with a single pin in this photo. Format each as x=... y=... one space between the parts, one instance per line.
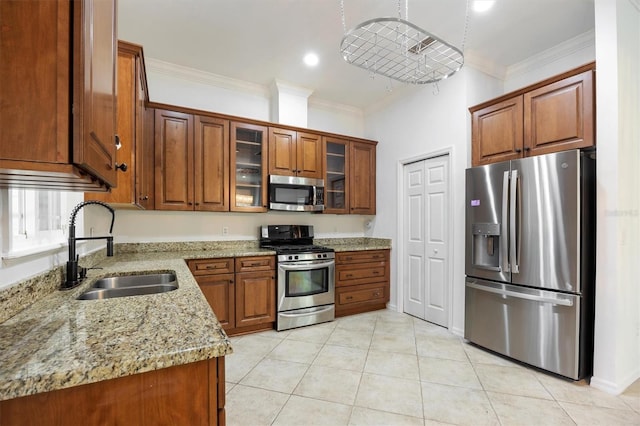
x=617 y=319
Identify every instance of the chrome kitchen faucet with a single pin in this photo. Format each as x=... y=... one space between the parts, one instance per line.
x=75 y=273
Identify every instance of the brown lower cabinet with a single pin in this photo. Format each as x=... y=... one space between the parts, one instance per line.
x=241 y=291
x=190 y=394
x=362 y=281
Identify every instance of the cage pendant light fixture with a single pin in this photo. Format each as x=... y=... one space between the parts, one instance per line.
x=400 y=50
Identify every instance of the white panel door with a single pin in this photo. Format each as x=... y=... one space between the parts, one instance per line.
x=414 y=239
x=426 y=263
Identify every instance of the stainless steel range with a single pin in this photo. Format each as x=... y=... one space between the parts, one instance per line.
x=306 y=276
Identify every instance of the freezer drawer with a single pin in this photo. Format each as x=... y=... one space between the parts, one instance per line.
x=540 y=328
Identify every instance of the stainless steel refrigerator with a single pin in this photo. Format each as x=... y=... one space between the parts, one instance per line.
x=530 y=260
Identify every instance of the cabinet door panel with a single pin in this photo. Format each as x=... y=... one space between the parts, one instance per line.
x=174 y=160
x=309 y=155
x=363 y=178
x=219 y=292
x=95 y=88
x=211 y=164
x=497 y=132
x=282 y=152
x=559 y=116
x=248 y=159
x=335 y=159
x=255 y=298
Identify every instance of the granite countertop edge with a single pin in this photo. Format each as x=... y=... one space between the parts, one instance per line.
x=59 y=342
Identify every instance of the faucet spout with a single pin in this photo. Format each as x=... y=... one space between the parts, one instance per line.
x=75 y=274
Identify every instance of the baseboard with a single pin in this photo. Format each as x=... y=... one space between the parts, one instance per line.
x=392 y=307
x=614 y=388
x=457 y=331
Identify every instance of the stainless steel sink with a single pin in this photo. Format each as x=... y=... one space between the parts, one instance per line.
x=130 y=285
x=135 y=280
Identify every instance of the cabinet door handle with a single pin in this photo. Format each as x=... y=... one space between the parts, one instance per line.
x=145 y=198
x=122 y=166
x=230 y=281
x=518 y=150
x=527 y=148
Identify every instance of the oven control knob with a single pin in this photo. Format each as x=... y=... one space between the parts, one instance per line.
x=290 y=257
x=295 y=257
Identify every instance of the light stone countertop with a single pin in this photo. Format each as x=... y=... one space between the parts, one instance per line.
x=59 y=342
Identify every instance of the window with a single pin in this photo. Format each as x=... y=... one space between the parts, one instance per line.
x=35 y=220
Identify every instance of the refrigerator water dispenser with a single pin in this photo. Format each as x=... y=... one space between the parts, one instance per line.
x=486 y=245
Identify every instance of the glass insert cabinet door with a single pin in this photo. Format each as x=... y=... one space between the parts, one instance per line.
x=249 y=167
x=336 y=183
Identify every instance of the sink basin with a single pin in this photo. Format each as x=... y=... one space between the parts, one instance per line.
x=135 y=280
x=130 y=285
x=110 y=293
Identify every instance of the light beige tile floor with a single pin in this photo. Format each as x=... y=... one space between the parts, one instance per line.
x=387 y=368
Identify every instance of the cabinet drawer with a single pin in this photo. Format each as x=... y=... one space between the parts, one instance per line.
x=361 y=256
x=349 y=275
x=211 y=266
x=361 y=294
x=256 y=263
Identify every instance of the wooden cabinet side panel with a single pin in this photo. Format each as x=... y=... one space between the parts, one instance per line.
x=560 y=116
x=34 y=118
x=94 y=111
x=282 y=152
x=123 y=193
x=497 y=132
x=363 y=178
x=147 y=194
x=255 y=298
x=309 y=155
x=177 y=396
x=211 y=162
x=173 y=160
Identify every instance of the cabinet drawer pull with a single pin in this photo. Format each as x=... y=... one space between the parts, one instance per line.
x=349 y=297
x=348 y=258
x=349 y=275
x=376 y=272
x=212 y=267
x=376 y=294
x=255 y=264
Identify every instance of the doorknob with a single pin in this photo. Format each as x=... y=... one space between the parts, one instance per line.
x=435 y=250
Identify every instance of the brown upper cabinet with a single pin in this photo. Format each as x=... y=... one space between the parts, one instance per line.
x=191 y=167
x=554 y=115
x=58 y=115
x=249 y=167
x=350 y=174
x=135 y=185
x=294 y=153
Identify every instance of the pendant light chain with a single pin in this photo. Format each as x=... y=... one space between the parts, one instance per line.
x=344 y=22
x=466 y=27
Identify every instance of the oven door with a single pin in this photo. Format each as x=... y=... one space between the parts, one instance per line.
x=305 y=284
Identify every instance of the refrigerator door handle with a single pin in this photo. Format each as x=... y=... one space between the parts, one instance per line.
x=514 y=234
x=504 y=231
x=561 y=302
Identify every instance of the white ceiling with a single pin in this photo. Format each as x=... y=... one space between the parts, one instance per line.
x=259 y=41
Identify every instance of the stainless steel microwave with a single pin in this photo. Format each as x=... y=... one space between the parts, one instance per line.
x=296 y=194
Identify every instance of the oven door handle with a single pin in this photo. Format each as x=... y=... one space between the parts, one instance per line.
x=304 y=265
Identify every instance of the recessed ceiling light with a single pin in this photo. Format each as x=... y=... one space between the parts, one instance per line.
x=482 y=5
x=311 y=59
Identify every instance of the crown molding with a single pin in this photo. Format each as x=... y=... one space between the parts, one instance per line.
x=334 y=106
x=484 y=65
x=193 y=75
x=290 y=89
x=583 y=41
